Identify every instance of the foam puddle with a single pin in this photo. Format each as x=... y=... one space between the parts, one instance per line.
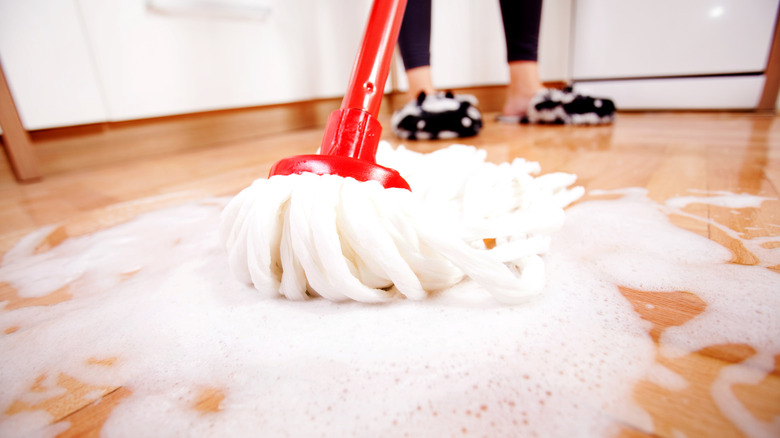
x=154 y=309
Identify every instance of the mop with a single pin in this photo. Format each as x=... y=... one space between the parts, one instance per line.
x=340 y=226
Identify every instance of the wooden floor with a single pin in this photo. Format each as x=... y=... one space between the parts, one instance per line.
x=667 y=153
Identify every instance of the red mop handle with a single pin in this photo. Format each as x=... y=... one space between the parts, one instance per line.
x=353 y=130
x=372 y=65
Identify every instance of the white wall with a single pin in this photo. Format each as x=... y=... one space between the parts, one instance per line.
x=555 y=40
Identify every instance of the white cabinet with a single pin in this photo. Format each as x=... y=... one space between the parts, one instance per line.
x=71 y=62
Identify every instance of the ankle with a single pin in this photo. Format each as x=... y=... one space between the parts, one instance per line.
x=524 y=83
x=517 y=101
x=420 y=80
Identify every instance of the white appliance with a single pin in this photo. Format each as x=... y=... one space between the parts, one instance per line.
x=671 y=54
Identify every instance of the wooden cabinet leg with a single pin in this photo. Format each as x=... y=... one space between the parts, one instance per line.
x=16 y=141
x=772 y=73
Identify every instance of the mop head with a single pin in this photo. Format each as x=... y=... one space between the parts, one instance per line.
x=308 y=235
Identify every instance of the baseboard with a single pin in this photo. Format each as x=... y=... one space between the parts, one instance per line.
x=69 y=149
x=732 y=92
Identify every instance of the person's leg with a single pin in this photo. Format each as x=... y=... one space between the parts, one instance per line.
x=521 y=19
x=419 y=79
x=414 y=43
x=524 y=83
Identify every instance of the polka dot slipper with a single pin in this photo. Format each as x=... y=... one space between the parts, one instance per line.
x=438 y=116
x=570 y=108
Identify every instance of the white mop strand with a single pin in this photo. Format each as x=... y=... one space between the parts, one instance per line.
x=310 y=235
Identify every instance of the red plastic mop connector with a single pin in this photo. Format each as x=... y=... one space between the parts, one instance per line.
x=352 y=135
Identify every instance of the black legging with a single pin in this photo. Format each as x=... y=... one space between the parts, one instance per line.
x=521 y=28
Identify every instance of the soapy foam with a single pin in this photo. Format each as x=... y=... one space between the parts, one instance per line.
x=157 y=295
x=719 y=198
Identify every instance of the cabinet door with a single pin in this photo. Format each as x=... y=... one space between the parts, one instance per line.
x=155 y=62
x=47 y=64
